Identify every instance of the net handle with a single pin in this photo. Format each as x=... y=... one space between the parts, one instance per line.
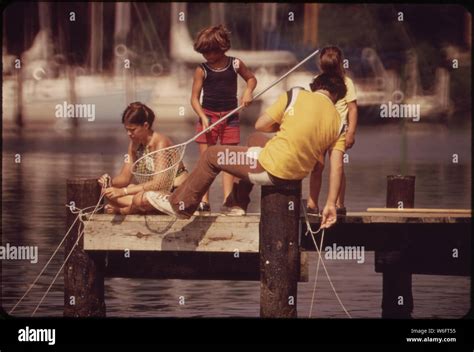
x=255 y=97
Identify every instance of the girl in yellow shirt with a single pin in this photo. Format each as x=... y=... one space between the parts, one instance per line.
x=331 y=61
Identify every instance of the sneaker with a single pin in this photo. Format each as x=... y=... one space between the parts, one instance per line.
x=232 y=211
x=160 y=200
x=341 y=211
x=203 y=208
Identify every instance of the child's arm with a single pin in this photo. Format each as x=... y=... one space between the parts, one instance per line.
x=195 y=94
x=118 y=183
x=335 y=176
x=249 y=77
x=125 y=176
x=266 y=124
x=271 y=119
x=352 y=119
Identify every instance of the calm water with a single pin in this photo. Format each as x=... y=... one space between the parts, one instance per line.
x=33 y=214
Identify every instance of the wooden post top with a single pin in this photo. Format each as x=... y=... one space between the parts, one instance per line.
x=400 y=177
x=289 y=186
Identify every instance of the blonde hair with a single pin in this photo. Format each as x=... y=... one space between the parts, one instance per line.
x=216 y=38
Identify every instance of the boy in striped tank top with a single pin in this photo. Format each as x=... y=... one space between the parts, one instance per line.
x=217 y=80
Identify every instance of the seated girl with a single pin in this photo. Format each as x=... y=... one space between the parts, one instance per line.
x=125 y=196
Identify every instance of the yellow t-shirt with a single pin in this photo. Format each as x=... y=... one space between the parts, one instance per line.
x=308 y=127
x=341 y=104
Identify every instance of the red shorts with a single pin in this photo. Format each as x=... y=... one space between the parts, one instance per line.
x=228 y=131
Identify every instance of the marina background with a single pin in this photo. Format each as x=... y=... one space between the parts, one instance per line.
x=82 y=61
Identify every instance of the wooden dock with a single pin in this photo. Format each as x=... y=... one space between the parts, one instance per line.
x=425 y=236
x=261 y=247
x=204 y=247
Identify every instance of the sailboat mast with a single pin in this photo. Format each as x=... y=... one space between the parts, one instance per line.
x=96 y=36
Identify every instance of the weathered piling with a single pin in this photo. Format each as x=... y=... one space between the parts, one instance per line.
x=279 y=250
x=83 y=272
x=397 y=300
x=400 y=192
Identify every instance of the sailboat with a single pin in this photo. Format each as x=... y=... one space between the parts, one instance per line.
x=46 y=80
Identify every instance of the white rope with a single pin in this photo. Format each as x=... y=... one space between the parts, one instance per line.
x=46 y=265
x=313 y=296
x=326 y=271
x=80 y=233
x=320 y=259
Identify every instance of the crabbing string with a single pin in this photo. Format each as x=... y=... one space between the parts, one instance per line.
x=80 y=232
x=80 y=213
x=320 y=259
x=44 y=267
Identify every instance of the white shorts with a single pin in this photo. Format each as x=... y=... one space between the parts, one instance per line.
x=262 y=178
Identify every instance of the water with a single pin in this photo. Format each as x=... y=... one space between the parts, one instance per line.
x=33 y=214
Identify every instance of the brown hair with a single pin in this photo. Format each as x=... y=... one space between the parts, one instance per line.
x=137 y=113
x=212 y=39
x=331 y=82
x=330 y=61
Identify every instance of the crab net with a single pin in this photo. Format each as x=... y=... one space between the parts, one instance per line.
x=158 y=169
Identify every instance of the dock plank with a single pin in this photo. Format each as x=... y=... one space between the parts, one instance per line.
x=428 y=238
x=398 y=218
x=164 y=233
x=217 y=233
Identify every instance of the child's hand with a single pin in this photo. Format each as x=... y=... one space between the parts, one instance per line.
x=104 y=180
x=329 y=217
x=205 y=123
x=112 y=192
x=246 y=98
x=350 y=139
x=109 y=209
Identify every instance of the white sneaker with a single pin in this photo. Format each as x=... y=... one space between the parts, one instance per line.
x=160 y=200
x=232 y=211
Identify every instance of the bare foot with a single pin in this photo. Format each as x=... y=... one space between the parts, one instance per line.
x=110 y=209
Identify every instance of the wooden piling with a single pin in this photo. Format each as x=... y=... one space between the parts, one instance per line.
x=397 y=299
x=84 y=272
x=400 y=191
x=279 y=250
